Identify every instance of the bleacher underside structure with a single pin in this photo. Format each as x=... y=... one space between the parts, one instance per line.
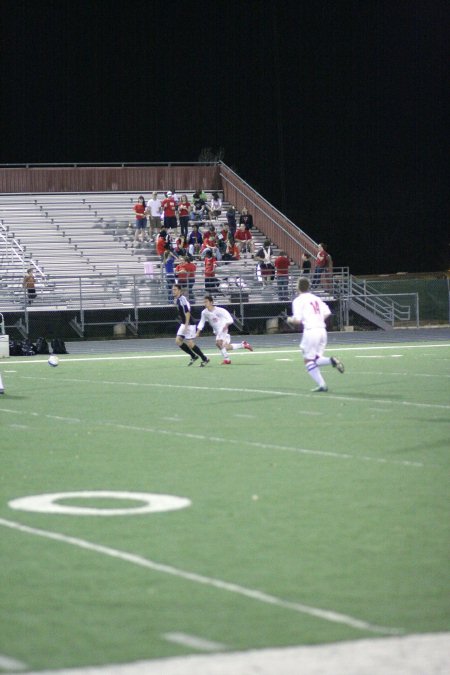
x=73 y=225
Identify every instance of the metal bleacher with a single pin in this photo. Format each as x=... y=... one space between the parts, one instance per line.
x=81 y=248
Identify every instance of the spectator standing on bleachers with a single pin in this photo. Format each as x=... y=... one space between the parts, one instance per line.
x=162 y=240
x=154 y=213
x=140 y=209
x=195 y=240
x=246 y=218
x=281 y=264
x=264 y=257
x=191 y=269
x=231 y=219
x=215 y=205
x=169 y=260
x=168 y=206
x=184 y=208
x=321 y=265
x=182 y=273
x=211 y=281
x=29 y=284
x=306 y=264
x=244 y=239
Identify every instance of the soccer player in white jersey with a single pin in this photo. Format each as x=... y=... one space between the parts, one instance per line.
x=308 y=309
x=220 y=320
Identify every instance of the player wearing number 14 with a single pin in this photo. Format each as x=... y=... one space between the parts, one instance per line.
x=308 y=309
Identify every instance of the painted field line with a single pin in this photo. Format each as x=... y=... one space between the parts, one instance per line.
x=244 y=390
x=240 y=442
x=256 y=444
x=194 y=642
x=253 y=594
x=273 y=351
x=7 y=663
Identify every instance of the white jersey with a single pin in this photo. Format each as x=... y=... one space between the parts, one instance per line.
x=310 y=310
x=217 y=318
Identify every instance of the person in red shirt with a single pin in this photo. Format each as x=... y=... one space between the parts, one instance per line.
x=141 y=221
x=168 y=206
x=321 y=265
x=232 y=250
x=211 y=281
x=282 y=263
x=161 y=243
x=182 y=274
x=183 y=213
x=244 y=239
x=191 y=269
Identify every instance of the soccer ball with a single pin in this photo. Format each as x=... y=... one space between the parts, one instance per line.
x=53 y=361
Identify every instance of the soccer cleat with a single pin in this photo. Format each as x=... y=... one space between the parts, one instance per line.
x=337 y=364
x=320 y=388
x=192 y=361
x=226 y=362
x=204 y=363
x=247 y=345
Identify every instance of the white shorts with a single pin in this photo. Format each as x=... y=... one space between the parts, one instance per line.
x=313 y=343
x=224 y=336
x=188 y=334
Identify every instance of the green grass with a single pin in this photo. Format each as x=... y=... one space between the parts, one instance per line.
x=335 y=501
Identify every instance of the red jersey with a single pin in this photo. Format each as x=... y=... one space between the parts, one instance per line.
x=183 y=208
x=190 y=268
x=160 y=245
x=242 y=235
x=282 y=265
x=168 y=206
x=181 y=273
x=210 y=266
x=139 y=209
x=322 y=259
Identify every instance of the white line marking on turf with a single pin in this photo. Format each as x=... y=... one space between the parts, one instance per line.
x=6 y=663
x=194 y=642
x=378 y=356
x=242 y=390
x=242 y=442
x=273 y=352
x=260 y=596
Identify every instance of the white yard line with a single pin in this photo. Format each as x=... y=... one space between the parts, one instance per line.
x=253 y=594
x=6 y=663
x=239 y=442
x=244 y=390
x=194 y=642
x=274 y=352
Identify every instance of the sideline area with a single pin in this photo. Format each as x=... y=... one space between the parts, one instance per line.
x=409 y=655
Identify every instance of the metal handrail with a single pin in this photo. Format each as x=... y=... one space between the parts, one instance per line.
x=282 y=216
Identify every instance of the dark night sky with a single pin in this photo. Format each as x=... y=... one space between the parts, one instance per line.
x=335 y=110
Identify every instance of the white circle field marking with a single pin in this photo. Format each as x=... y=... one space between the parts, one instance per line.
x=48 y=503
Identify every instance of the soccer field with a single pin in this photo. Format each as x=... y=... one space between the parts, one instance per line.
x=293 y=518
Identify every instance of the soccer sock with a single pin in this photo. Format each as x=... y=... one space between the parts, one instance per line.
x=314 y=372
x=323 y=361
x=224 y=353
x=236 y=345
x=1 y=385
x=188 y=350
x=198 y=351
